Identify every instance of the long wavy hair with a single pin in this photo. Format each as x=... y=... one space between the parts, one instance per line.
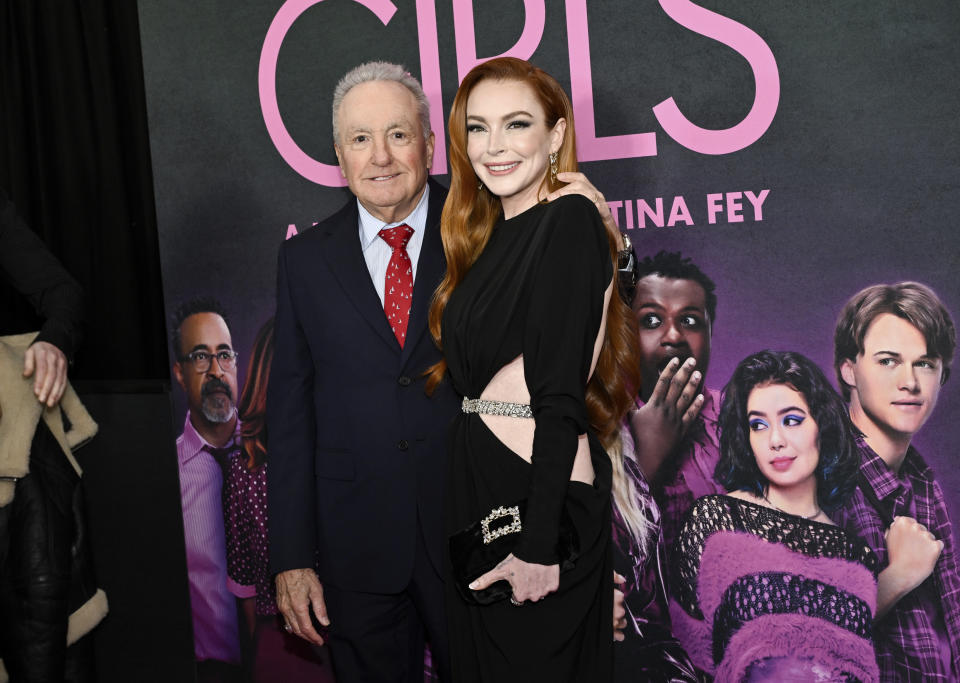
x=470 y=214
x=839 y=461
x=252 y=408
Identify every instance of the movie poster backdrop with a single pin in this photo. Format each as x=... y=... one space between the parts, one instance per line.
x=797 y=151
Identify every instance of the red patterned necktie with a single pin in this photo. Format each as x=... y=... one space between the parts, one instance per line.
x=398 y=287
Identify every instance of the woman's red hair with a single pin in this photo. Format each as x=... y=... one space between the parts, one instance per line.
x=252 y=408
x=467 y=223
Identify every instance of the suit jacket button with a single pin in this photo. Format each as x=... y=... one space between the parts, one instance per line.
x=404 y=381
x=403 y=445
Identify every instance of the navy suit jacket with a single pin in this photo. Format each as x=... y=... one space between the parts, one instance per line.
x=356 y=448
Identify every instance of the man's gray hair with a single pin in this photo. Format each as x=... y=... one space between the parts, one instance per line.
x=380 y=71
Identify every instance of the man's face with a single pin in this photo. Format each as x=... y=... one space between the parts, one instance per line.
x=894 y=383
x=382 y=150
x=211 y=395
x=673 y=322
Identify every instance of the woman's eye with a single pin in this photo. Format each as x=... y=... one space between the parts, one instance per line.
x=792 y=420
x=757 y=425
x=651 y=321
x=518 y=124
x=475 y=128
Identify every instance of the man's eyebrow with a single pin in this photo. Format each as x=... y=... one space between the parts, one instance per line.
x=225 y=347
x=895 y=354
x=650 y=304
x=200 y=347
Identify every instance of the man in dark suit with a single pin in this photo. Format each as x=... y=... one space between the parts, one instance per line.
x=356 y=446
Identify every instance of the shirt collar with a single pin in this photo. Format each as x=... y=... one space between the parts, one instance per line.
x=193 y=443
x=878 y=475
x=370 y=225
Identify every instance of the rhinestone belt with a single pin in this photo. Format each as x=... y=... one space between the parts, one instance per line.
x=479 y=405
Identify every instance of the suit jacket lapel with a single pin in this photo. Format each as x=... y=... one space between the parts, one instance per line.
x=346 y=262
x=430 y=269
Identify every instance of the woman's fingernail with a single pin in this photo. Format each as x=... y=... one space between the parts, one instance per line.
x=473 y=586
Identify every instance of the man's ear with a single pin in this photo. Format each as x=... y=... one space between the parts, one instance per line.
x=336 y=149
x=846 y=373
x=429 y=142
x=178 y=375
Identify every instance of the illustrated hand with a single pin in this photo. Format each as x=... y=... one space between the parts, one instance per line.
x=619 y=609
x=912 y=552
x=577 y=183
x=660 y=424
x=50 y=366
x=299 y=590
x=529 y=581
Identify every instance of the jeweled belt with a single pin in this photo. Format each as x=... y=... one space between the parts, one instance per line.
x=480 y=405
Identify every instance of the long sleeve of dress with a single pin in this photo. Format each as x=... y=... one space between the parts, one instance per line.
x=563 y=320
x=39 y=276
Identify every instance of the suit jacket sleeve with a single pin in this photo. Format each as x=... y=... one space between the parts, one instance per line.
x=291 y=433
x=38 y=275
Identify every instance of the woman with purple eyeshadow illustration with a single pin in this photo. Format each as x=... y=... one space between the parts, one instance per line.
x=765 y=586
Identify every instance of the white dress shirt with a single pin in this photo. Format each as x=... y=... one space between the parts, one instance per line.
x=377 y=253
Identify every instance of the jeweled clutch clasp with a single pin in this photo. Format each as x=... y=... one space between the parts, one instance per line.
x=513 y=527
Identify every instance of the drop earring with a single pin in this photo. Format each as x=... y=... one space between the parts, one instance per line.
x=553 y=167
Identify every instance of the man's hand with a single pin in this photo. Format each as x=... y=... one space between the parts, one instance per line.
x=659 y=425
x=299 y=591
x=912 y=553
x=577 y=183
x=529 y=581
x=50 y=366
x=619 y=609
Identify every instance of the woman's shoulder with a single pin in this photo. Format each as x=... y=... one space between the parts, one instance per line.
x=576 y=216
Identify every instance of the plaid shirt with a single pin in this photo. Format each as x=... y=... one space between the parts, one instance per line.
x=688 y=472
x=908 y=648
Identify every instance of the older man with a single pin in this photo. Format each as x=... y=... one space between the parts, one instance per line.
x=356 y=446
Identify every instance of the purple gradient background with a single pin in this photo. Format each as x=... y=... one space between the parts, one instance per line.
x=862 y=159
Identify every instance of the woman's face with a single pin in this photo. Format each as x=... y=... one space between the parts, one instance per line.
x=509 y=142
x=783 y=435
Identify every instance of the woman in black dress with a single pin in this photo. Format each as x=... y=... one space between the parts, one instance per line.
x=536 y=338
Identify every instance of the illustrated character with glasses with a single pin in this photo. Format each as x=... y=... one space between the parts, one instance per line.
x=206 y=369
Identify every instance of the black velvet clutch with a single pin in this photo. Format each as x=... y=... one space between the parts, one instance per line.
x=479 y=547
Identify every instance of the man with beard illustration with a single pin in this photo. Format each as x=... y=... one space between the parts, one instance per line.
x=674 y=426
x=206 y=369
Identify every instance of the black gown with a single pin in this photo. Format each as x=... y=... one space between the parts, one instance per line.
x=537 y=290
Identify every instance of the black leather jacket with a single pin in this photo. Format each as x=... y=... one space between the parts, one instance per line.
x=45 y=567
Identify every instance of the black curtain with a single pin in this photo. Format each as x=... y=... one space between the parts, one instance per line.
x=75 y=159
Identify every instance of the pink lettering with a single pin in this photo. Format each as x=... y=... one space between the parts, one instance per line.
x=466 y=39
x=311 y=169
x=757 y=202
x=629 y=213
x=714 y=206
x=644 y=211
x=765 y=75
x=430 y=80
x=291 y=231
x=734 y=207
x=589 y=146
x=679 y=212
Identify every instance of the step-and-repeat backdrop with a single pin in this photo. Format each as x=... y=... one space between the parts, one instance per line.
x=796 y=151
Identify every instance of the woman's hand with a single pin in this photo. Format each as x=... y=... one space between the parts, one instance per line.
x=577 y=183
x=529 y=581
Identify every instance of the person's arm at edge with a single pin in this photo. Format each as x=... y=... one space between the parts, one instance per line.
x=291 y=492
